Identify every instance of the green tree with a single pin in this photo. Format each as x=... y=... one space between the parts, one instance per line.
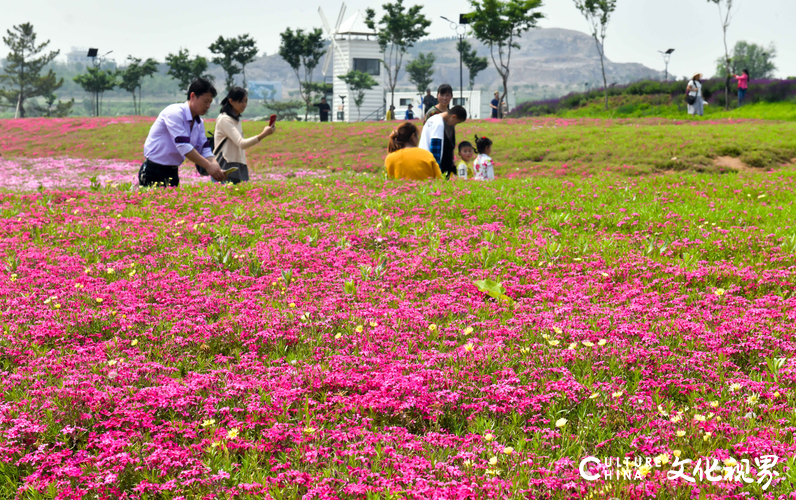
x=96 y=82
x=225 y=50
x=471 y=60
x=302 y=52
x=725 y=15
x=133 y=76
x=421 y=71
x=397 y=31
x=185 y=70
x=358 y=82
x=498 y=24
x=22 y=79
x=51 y=108
x=247 y=52
x=284 y=110
x=598 y=14
x=757 y=59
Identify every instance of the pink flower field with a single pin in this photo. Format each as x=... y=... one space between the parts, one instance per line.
x=332 y=336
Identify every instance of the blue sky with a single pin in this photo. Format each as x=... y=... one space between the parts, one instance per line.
x=150 y=28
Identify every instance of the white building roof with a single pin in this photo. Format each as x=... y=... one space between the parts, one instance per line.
x=355 y=25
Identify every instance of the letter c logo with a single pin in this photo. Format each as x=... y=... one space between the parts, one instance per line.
x=584 y=473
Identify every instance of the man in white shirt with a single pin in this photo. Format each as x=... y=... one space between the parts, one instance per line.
x=439 y=137
x=177 y=134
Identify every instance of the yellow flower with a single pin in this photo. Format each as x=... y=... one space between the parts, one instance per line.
x=467 y=463
x=309 y=430
x=374 y=324
x=232 y=433
x=110 y=270
x=680 y=434
x=432 y=327
x=699 y=418
x=662 y=459
x=644 y=470
x=776 y=394
x=359 y=329
x=572 y=346
x=131 y=273
x=545 y=336
x=508 y=450
x=707 y=436
x=730 y=462
x=604 y=275
x=112 y=362
x=553 y=342
x=291 y=305
x=134 y=342
x=587 y=343
x=493 y=461
x=524 y=350
x=468 y=330
x=602 y=342
x=594 y=395
x=99 y=300
x=488 y=436
x=752 y=400
x=558 y=330
x=469 y=347
x=617 y=394
x=561 y=422
x=57 y=306
x=676 y=453
x=714 y=404
x=338 y=335
x=719 y=291
x=208 y=422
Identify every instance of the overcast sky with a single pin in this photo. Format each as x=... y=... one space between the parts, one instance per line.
x=639 y=28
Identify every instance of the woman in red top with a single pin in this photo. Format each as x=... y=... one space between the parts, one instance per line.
x=743 y=85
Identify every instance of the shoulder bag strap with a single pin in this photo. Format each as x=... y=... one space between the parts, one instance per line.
x=215 y=153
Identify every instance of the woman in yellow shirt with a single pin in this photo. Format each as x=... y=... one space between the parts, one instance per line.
x=406 y=160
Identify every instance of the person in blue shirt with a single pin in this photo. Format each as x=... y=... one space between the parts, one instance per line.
x=177 y=134
x=410 y=115
x=495 y=105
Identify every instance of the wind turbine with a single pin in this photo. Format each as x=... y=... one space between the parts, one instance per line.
x=333 y=49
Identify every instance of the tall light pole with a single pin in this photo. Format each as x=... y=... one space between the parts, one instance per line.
x=666 y=56
x=97 y=60
x=461 y=29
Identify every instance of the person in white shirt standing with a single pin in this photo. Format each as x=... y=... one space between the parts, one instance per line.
x=228 y=137
x=177 y=134
x=694 y=89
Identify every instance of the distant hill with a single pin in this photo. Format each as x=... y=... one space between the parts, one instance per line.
x=552 y=56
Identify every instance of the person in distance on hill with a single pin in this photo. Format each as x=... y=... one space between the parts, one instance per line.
x=439 y=137
x=323 y=109
x=495 y=105
x=694 y=88
x=410 y=115
x=406 y=160
x=428 y=101
x=391 y=113
x=177 y=134
x=444 y=97
x=228 y=137
x=743 y=86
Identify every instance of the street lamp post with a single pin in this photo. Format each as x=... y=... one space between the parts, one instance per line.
x=666 y=56
x=460 y=29
x=97 y=61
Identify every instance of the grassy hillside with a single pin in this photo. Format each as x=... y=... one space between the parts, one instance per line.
x=534 y=146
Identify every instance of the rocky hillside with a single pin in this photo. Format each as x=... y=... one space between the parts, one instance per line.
x=553 y=57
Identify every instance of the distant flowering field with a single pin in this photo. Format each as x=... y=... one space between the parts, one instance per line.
x=324 y=335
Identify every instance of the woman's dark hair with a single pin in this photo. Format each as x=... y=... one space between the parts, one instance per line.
x=464 y=144
x=482 y=143
x=200 y=87
x=445 y=89
x=400 y=136
x=746 y=71
x=236 y=94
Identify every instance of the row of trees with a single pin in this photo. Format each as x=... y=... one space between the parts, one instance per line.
x=24 y=78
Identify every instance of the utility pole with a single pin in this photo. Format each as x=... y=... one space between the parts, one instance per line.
x=461 y=29
x=666 y=56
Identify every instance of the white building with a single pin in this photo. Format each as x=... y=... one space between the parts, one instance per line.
x=354 y=46
x=476 y=102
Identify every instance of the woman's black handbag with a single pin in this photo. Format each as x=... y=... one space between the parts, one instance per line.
x=211 y=141
x=691 y=99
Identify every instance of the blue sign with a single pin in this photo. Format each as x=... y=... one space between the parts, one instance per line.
x=271 y=91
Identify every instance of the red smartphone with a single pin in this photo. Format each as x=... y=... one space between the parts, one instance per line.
x=272 y=121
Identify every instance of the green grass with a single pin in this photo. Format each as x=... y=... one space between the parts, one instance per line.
x=526 y=147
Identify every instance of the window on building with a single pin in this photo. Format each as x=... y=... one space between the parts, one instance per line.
x=369 y=66
x=405 y=102
x=457 y=101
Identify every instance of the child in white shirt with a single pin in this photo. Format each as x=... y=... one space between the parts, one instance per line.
x=483 y=165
